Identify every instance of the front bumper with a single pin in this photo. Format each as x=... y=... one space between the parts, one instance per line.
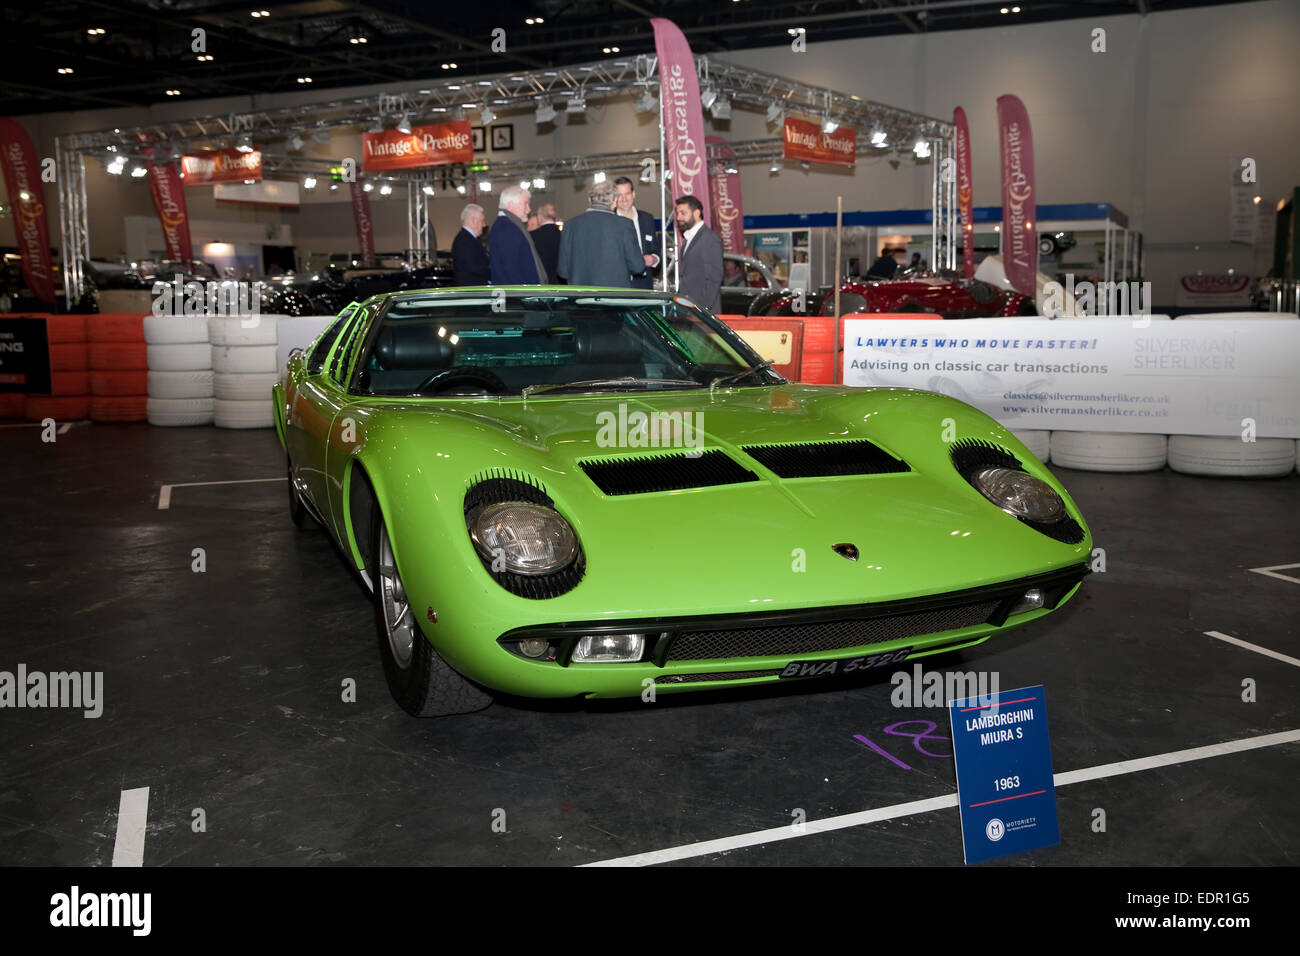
x=705 y=651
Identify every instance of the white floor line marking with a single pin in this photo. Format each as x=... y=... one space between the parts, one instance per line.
x=65 y=428
x=132 y=815
x=948 y=801
x=1254 y=647
x=22 y=425
x=1277 y=567
x=165 y=494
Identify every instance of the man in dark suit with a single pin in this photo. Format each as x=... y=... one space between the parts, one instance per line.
x=546 y=239
x=469 y=258
x=514 y=260
x=644 y=223
x=598 y=248
x=699 y=256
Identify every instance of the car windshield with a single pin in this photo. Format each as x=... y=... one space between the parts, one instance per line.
x=512 y=342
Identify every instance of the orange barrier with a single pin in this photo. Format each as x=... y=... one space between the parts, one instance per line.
x=118 y=408
x=59 y=407
x=69 y=357
x=127 y=327
x=119 y=383
x=13 y=405
x=70 y=383
x=118 y=356
x=64 y=328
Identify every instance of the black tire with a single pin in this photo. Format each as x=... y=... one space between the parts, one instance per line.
x=297 y=510
x=420 y=680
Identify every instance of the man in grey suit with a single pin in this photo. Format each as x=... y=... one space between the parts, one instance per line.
x=597 y=248
x=699 y=256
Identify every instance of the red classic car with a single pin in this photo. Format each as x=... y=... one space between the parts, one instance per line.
x=937 y=295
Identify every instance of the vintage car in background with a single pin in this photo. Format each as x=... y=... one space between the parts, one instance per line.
x=569 y=492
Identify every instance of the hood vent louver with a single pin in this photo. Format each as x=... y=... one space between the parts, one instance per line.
x=644 y=474
x=826 y=459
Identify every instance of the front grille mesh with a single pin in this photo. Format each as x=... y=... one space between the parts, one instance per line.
x=730 y=675
x=825 y=459
x=640 y=474
x=790 y=639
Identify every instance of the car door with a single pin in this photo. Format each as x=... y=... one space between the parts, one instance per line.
x=313 y=409
x=341 y=436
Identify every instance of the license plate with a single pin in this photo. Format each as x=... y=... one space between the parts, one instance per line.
x=847 y=665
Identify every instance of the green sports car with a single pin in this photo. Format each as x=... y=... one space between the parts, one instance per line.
x=559 y=492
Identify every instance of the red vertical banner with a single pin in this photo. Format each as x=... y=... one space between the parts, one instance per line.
x=23 y=180
x=1019 y=201
x=965 y=194
x=365 y=225
x=724 y=194
x=683 y=116
x=169 y=200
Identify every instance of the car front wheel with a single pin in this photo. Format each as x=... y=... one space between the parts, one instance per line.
x=420 y=680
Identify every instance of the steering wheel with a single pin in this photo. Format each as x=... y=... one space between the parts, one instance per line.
x=439 y=381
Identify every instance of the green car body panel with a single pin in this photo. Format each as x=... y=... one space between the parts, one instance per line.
x=756 y=548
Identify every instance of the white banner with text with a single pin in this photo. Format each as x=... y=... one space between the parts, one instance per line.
x=1139 y=374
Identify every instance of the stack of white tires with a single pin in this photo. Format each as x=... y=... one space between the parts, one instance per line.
x=244 y=370
x=1109 y=451
x=180 y=370
x=298 y=332
x=1231 y=457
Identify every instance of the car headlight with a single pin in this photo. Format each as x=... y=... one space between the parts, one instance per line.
x=523 y=538
x=1019 y=494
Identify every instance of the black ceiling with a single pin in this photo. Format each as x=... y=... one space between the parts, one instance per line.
x=146 y=46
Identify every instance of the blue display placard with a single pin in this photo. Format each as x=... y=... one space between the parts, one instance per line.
x=1003 y=757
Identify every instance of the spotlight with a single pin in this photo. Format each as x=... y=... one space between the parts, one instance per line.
x=721 y=108
x=295 y=142
x=577 y=104
x=427 y=189
x=598 y=176
x=309 y=182
x=386 y=189
x=731 y=170
x=115 y=167
x=707 y=98
x=461 y=189
x=775 y=167
x=545 y=112
x=138 y=171
x=829 y=125
x=646 y=102
x=173 y=92
x=921 y=149
x=485 y=186
x=321 y=136
x=333 y=186
x=539 y=182
x=368 y=187
x=879 y=137
x=357 y=39
x=65 y=70
x=404 y=124
x=775 y=113
x=486 y=115
x=245 y=143
x=795 y=31
x=304 y=79
x=524 y=184
x=378 y=126
x=249 y=182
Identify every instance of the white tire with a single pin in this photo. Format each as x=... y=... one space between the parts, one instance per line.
x=1038 y=442
x=232 y=414
x=1109 y=451
x=243 y=358
x=192 y=384
x=243 y=387
x=245 y=330
x=175 y=329
x=179 y=358
x=174 y=412
x=1231 y=457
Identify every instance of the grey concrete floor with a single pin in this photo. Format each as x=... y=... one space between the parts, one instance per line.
x=222 y=693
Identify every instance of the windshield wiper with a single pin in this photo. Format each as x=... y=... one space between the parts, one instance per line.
x=625 y=381
x=738 y=375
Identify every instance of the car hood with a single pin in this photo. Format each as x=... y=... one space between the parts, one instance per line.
x=763 y=544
